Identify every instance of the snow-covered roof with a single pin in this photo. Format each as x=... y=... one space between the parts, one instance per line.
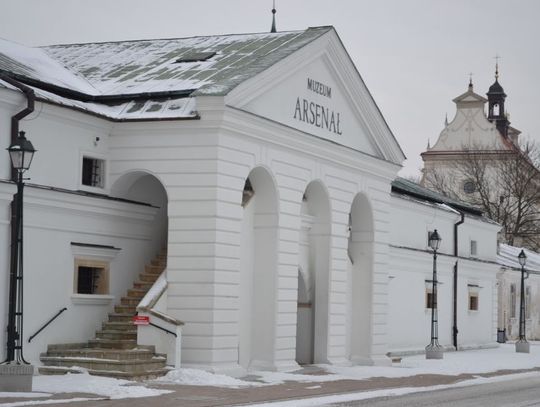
x=508 y=257
x=111 y=78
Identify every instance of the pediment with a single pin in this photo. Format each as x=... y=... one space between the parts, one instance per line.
x=317 y=90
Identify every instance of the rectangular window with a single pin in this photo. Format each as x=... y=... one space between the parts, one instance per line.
x=91 y=277
x=93 y=172
x=512 y=301
x=474 y=248
x=429 y=298
x=473 y=301
x=528 y=302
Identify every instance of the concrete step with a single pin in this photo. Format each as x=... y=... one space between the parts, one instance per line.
x=136 y=293
x=153 y=269
x=113 y=343
x=116 y=335
x=146 y=375
x=159 y=262
x=125 y=309
x=128 y=366
x=148 y=277
x=96 y=353
x=65 y=346
x=58 y=370
x=119 y=326
x=116 y=317
x=129 y=301
x=143 y=285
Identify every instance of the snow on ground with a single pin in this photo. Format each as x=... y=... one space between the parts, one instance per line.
x=15 y=395
x=401 y=391
x=454 y=363
x=195 y=377
x=85 y=383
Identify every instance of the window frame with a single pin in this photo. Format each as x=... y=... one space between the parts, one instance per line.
x=95 y=256
x=103 y=186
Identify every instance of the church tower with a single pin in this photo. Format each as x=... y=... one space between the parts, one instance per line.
x=496 y=98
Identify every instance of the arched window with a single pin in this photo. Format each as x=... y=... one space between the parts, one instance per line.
x=496 y=109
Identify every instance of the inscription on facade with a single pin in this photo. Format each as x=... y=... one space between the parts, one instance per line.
x=316 y=114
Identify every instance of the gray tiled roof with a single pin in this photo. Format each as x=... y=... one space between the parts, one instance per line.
x=84 y=75
x=406 y=187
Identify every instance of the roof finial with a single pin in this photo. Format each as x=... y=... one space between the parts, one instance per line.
x=470 y=81
x=428 y=146
x=273 y=29
x=446 y=120
x=497 y=57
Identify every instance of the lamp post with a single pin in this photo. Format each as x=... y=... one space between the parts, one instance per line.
x=434 y=350
x=522 y=346
x=21 y=152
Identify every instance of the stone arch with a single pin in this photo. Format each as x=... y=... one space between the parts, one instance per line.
x=314 y=265
x=258 y=265
x=360 y=253
x=145 y=187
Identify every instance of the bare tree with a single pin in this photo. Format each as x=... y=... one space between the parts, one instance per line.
x=504 y=183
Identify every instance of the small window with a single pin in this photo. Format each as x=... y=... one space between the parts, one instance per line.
x=469 y=187
x=512 y=301
x=91 y=277
x=473 y=301
x=474 y=248
x=430 y=298
x=93 y=172
x=528 y=302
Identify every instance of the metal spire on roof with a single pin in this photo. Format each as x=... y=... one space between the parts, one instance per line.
x=273 y=29
x=446 y=120
x=470 y=81
x=497 y=57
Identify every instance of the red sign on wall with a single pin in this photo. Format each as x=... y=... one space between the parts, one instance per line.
x=141 y=320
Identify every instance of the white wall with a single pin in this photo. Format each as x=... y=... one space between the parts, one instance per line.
x=60 y=136
x=52 y=221
x=411 y=264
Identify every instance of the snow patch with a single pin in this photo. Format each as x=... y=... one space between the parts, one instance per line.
x=85 y=383
x=195 y=377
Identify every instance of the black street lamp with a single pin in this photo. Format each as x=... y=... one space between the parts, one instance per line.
x=522 y=346
x=21 y=152
x=434 y=350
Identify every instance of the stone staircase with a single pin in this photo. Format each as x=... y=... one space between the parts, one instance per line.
x=114 y=351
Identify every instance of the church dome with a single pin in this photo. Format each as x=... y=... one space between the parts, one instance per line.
x=496 y=88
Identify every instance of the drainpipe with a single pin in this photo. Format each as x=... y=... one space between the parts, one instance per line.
x=31 y=98
x=454 y=326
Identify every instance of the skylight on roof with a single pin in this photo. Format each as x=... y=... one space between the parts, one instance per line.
x=195 y=57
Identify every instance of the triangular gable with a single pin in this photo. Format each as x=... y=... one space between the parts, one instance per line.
x=317 y=90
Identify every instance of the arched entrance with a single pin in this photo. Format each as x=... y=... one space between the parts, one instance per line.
x=258 y=260
x=360 y=251
x=140 y=186
x=313 y=276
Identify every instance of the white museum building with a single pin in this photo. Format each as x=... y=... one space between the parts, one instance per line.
x=240 y=191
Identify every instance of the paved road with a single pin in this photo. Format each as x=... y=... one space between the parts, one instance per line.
x=515 y=393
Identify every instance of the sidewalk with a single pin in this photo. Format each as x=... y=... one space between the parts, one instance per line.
x=205 y=390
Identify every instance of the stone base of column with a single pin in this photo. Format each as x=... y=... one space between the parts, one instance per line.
x=16 y=378
x=434 y=352
x=523 y=347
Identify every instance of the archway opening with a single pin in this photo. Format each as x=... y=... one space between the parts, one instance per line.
x=145 y=188
x=360 y=258
x=313 y=276
x=258 y=264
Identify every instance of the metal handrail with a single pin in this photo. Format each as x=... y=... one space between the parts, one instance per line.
x=47 y=324
x=163 y=329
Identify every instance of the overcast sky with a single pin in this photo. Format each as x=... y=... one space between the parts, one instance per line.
x=414 y=55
